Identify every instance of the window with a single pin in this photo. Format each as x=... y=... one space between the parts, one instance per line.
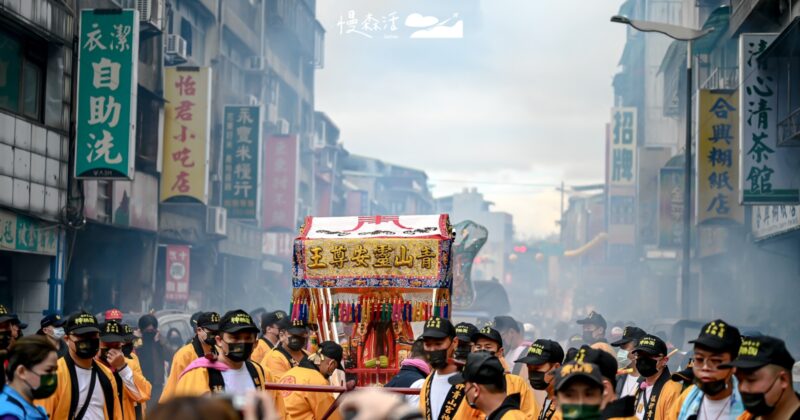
x=186 y=33
x=21 y=78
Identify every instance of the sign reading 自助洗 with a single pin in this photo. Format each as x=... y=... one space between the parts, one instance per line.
x=23 y=234
x=717 y=174
x=241 y=189
x=768 y=175
x=622 y=147
x=187 y=116
x=108 y=54
x=769 y=221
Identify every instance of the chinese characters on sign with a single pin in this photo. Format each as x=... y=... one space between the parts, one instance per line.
x=670 y=207
x=768 y=175
x=280 y=183
x=187 y=117
x=393 y=25
x=177 y=285
x=717 y=154
x=20 y=233
x=373 y=258
x=622 y=150
x=769 y=221
x=108 y=57
x=368 y=25
x=242 y=153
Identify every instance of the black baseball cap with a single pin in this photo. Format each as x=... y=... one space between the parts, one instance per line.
x=112 y=332
x=52 y=319
x=543 y=351
x=464 y=331
x=757 y=352
x=605 y=361
x=237 y=321
x=572 y=370
x=332 y=350
x=594 y=319
x=208 y=320
x=488 y=333
x=651 y=345
x=296 y=326
x=4 y=315
x=81 y=323
x=272 y=318
x=629 y=334
x=481 y=368
x=16 y=321
x=438 y=327
x=193 y=319
x=505 y=323
x=127 y=333
x=719 y=336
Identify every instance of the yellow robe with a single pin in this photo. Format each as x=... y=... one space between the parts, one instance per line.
x=261 y=349
x=130 y=401
x=57 y=405
x=304 y=405
x=277 y=363
x=195 y=383
x=185 y=355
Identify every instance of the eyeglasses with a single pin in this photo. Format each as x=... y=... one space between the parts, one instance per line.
x=710 y=363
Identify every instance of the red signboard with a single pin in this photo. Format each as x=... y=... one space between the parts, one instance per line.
x=177 y=287
x=280 y=183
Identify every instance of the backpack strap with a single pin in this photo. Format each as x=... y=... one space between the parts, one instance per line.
x=253 y=369
x=216 y=383
x=108 y=390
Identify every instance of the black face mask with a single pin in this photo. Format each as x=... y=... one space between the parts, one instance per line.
x=437 y=358
x=712 y=388
x=537 y=380
x=211 y=340
x=588 y=337
x=462 y=351
x=5 y=339
x=87 y=348
x=472 y=404
x=296 y=343
x=646 y=366
x=149 y=336
x=756 y=403
x=127 y=350
x=493 y=353
x=239 y=352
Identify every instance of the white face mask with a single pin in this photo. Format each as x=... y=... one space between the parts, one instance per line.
x=622 y=358
x=58 y=333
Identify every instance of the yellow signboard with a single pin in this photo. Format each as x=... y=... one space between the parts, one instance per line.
x=187 y=118
x=718 y=157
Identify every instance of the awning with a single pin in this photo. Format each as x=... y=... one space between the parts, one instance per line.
x=719 y=19
x=787 y=44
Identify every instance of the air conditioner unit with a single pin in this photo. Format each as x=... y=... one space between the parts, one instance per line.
x=151 y=13
x=176 y=48
x=216 y=221
x=283 y=126
x=252 y=100
x=272 y=113
x=255 y=63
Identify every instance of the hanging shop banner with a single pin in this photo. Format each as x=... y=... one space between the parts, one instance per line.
x=375 y=256
x=717 y=174
x=187 y=119
x=770 y=174
x=280 y=183
x=670 y=207
x=770 y=221
x=108 y=54
x=177 y=286
x=622 y=147
x=23 y=234
x=241 y=189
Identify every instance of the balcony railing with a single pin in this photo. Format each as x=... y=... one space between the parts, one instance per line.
x=789 y=130
x=722 y=78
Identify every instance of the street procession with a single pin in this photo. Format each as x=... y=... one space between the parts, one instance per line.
x=399 y=210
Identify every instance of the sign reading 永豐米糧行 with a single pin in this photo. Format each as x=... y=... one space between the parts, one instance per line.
x=241 y=189
x=717 y=154
x=622 y=147
x=187 y=116
x=108 y=56
x=769 y=175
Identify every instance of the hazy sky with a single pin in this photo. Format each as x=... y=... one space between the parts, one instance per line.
x=522 y=99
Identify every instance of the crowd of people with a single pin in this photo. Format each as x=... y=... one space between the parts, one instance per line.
x=79 y=368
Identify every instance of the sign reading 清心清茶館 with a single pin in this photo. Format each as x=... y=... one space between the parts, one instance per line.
x=187 y=116
x=717 y=154
x=241 y=190
x=770 y=174
x=108 y=54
